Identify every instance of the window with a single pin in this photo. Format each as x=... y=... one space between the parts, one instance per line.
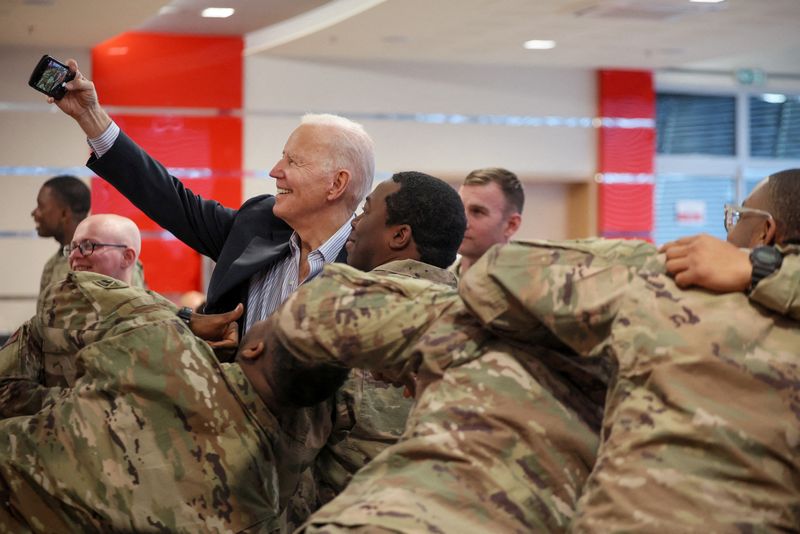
x=695 y=124
x=774 y=126
x=714 y=148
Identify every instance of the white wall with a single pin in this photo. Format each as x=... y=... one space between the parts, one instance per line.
x=30 y=136
x=549 y=159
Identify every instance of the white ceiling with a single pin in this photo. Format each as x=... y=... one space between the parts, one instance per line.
x=648 y=34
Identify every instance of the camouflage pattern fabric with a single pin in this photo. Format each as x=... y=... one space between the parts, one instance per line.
x=39 y=360
x=780 y=291
x=700 y=430
x=368 y=416
x=154 y=436
x=57 y=268
x=492 y=443
x=54 y=270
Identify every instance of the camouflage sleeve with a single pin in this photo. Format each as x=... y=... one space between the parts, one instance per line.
x=21 y=389
x=553 y=294
x=358 y=319
x=780 y=291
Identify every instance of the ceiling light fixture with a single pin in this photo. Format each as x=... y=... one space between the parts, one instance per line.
x=217 y=12
x=538 y=44
x=706 y=1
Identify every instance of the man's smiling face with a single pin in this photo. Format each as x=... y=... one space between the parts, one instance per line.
x=303 y=175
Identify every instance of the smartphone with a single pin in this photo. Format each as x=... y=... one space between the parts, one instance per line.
x=50 y=76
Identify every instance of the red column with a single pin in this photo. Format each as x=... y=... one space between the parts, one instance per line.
x=174 y=71
x=626 y=153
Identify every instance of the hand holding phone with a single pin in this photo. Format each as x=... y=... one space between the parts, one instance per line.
x=50 y=76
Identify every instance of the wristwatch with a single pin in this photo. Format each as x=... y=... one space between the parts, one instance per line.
x=185 y=314
x=765 y=260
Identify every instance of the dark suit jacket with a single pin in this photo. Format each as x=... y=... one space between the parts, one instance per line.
x=241 y=241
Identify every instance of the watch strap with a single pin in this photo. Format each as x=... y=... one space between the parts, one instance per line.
x=765 y=261
x=185 y=314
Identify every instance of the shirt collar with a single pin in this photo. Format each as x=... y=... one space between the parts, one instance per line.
x=329 y=249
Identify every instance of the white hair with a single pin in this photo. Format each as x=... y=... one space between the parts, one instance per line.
x=353 y=150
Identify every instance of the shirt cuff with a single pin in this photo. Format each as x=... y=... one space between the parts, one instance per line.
x=103 y=143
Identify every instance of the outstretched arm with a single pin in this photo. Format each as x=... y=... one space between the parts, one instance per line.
x=719 y=266
x=708 y=262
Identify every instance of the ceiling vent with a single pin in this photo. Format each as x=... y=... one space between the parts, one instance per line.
x=654 y=10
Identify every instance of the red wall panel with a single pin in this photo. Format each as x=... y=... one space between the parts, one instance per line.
x=626 y=207
x=151 y=69
x=154 y=70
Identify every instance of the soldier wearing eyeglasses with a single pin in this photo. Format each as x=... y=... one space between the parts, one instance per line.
x=760 y=256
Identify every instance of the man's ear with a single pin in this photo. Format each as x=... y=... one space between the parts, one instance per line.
x=768 y=233
x=512 y=225
x=339 y=184
x=251 y=351
x=400 y=237
x=128 y=257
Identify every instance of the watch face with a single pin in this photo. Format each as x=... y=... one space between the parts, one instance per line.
x=767 y=256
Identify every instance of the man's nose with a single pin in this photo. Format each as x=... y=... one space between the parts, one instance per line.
x=277 y=170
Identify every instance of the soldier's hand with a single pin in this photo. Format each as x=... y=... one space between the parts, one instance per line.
x=80 y=102
x=708 y=262
x=220 y=329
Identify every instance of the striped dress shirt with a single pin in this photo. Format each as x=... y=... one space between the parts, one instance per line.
x=272 y=285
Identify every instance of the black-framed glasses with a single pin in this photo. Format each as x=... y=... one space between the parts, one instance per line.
x=733 y=213
x=86 y=248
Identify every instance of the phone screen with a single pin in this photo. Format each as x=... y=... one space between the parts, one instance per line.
x=49 y=75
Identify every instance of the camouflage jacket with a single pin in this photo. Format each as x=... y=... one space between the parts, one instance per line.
x=495 y=441
x=700 y=430
x=37 y=362
x=780 y=291
x=369 y=414
x=154 y=434
x=54 y=270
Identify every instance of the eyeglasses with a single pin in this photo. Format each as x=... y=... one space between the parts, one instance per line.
x=86 y=248
x=733 y=213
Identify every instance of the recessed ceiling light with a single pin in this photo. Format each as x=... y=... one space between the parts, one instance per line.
x=538 y=44
x=706 y=1
x=217 y=12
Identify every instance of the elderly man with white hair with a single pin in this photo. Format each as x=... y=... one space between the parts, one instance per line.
x=270 y=245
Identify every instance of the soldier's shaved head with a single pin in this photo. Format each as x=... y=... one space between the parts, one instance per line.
x=281 y=379
x=117 y=246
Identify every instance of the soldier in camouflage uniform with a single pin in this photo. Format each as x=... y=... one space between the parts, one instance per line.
x=37 y=363
x=411 y=225
x=496 y=440
x=156 y=434
x=63 y=202
x=700 y=426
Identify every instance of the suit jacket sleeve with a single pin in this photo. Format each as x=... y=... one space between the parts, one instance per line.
x=202 y=224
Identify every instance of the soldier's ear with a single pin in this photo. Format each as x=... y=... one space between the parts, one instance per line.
x=251 y=351
x=400 y=237
x=512 y=225
x=770 y=231
x=129 y=257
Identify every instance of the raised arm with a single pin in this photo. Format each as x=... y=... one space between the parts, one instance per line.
x=553 y=294
x=358 y=319
x=201 y=224
x=719 y=266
